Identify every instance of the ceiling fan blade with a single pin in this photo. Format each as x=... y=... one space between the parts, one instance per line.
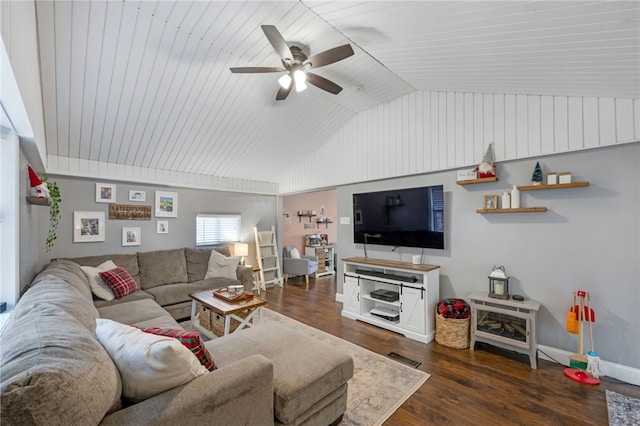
x=323 y=83
x=283 y=93
x=253 y=70
x=330 y=56
x=277 y=41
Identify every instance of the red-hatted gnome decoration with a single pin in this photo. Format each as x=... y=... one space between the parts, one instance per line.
x=487 y=168
x=37 y=187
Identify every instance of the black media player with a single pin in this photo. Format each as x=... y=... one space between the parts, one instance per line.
x=386 y=295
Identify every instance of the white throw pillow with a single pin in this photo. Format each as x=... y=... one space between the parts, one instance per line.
x=149 y=364
x=98 y=286
x=294 y=253
x=221 y=266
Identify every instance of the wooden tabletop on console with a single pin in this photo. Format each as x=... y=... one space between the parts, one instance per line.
x=390 y=263
x=222 y=307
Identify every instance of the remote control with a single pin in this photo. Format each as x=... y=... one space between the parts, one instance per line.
x=517 y=297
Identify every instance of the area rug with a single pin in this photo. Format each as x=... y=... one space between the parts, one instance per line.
x=379 y=385
x=622 y=409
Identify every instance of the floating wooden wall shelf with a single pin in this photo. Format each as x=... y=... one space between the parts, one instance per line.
x=555 y=186
x=518 y=210
x=38 y=201
x=480 y=180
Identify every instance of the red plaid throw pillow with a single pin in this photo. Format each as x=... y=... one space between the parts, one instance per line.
x=190 y=339
x=119 y=281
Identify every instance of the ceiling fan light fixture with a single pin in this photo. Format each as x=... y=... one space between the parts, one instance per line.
x=285 y=81
x=300 y=77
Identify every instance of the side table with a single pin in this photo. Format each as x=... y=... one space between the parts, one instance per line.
x=258 y=284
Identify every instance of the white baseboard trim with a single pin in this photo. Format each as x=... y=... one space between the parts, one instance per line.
x=617 y=371
x=339 y=297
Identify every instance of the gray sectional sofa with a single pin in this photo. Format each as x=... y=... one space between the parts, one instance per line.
x=55 y=371
x=168 y=276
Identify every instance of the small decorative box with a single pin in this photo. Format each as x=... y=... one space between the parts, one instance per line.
x=467 y=175
x=564 y=177
x=552 y=179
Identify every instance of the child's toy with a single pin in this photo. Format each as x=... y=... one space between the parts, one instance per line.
x=579 y=362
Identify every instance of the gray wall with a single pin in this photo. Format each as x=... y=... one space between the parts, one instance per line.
x=588 y=239
x=28 y=222
x=79 y=195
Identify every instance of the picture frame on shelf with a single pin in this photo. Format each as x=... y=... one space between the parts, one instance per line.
x=88 y=227
x=166 y=204
x=162 y=227
x=490 y=202
x=105 y=193
x=131 y=236
x=137 y=195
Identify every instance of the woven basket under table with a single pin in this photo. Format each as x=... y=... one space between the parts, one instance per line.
x=452 y=332
x=215 y=322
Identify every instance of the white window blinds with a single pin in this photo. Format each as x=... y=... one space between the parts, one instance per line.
x=217 y=229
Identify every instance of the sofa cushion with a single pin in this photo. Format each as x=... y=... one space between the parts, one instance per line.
x=175 y=293
x=149 y=364
x=189 y=339
x=198 y=260
x=120 y=281
x=162 y=267
x=99 y=288
x=52 y=290
x=68 y=271
x=138 y=295
x=54 y=370
x=221 y=266
x=134 y=312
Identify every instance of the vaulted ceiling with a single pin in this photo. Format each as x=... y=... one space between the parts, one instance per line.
x=147 y=83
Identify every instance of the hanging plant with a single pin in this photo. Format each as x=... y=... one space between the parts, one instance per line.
x=54 y=211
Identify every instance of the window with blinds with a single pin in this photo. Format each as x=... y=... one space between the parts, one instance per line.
x=217 y=229
x=437 y=207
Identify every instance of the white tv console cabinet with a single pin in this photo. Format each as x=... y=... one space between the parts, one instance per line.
x=418 y=288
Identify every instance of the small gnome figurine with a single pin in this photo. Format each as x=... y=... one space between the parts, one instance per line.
x=37 y=187
x=487 y=168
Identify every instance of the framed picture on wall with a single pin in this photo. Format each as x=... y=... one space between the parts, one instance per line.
x=105 y=193
x=131 y=236
x=88 y=227
x=163 y=227
x=166 y=204
x=137 y=195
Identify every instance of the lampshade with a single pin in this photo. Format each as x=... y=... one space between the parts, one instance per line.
x=285 y=81
x=240 y=249
x=300 y=77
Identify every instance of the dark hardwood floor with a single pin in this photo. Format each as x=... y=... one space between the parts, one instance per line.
x=482 y=387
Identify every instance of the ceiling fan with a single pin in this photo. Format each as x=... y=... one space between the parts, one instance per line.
x=297 y=65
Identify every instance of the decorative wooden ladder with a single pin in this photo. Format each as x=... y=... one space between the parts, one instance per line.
x=267 y=256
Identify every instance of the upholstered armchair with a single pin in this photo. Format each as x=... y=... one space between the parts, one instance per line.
x=295 y=264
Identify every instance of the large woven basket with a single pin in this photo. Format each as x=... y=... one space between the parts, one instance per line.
x=215 y=322
x=452 y=332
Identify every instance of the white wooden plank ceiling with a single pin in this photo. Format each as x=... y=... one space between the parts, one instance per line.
x=147 y=83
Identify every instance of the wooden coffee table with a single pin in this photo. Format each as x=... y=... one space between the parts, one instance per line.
x=227 y=309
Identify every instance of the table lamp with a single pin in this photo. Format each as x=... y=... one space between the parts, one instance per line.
x=241 y=249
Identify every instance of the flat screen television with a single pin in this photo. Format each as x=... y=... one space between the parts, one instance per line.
x=409 y=217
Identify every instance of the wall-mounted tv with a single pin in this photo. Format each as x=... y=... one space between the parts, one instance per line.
x=409 y=217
